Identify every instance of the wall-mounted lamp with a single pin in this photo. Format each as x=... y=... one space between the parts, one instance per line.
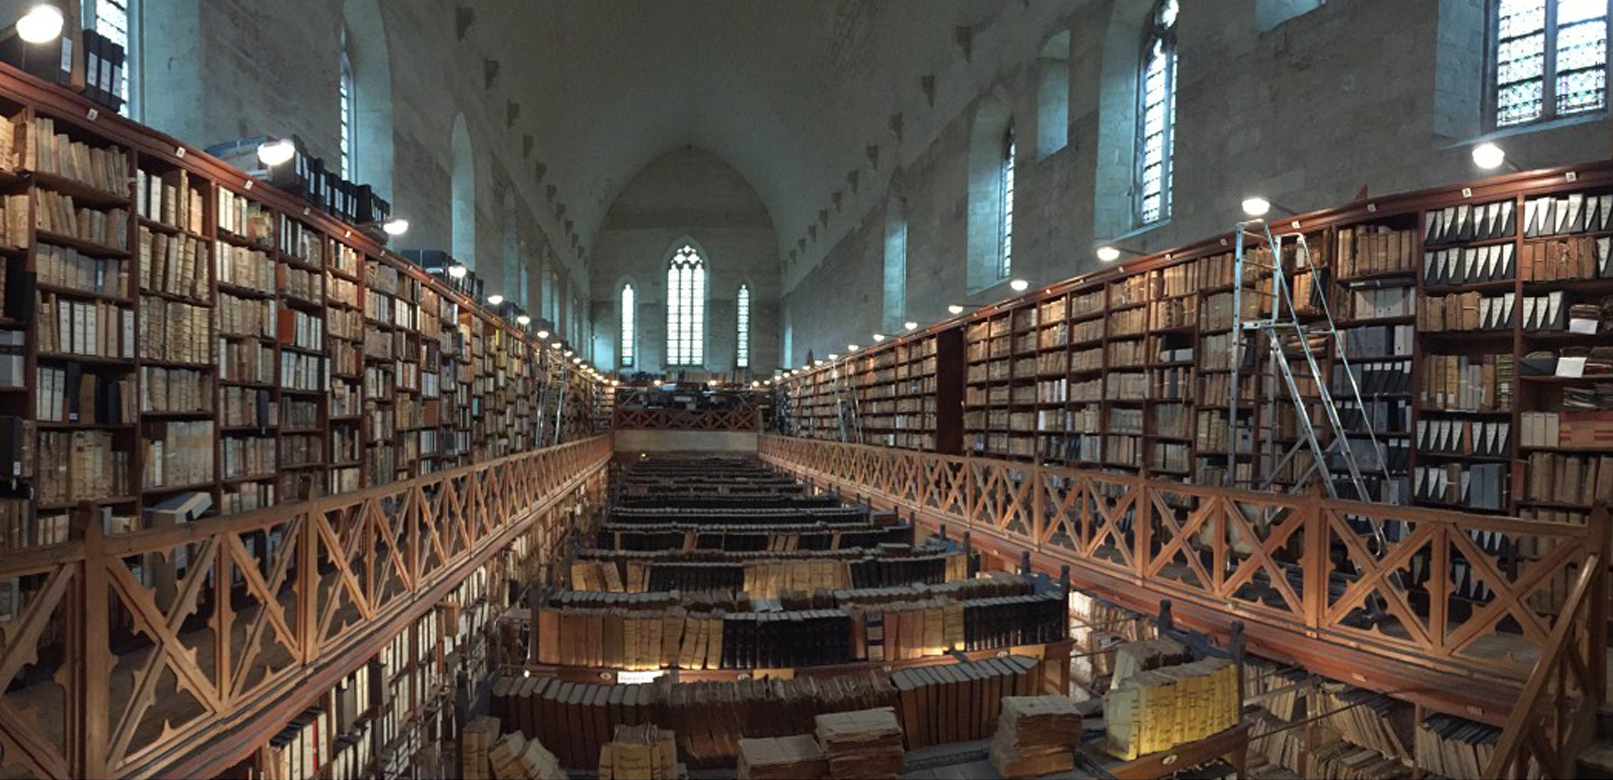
x=910 y=325
x=496 y=299
x=524 y=320
x=458 y=270
x=1257 y=206
x=42 y=24
x=879 y=337
x=276 y=151
x=542 y=335
x=1019 y=285
x=1488 y=156
x=1109 y=253
x=395 y=226
x=955 y=308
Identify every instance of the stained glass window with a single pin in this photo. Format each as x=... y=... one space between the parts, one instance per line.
x=1005 y=259
x=345 y=88
x=742 y=352
x=629 y=317
x=1550 y=59
x=686 y=308
x=1156 y=121
x=112 y=20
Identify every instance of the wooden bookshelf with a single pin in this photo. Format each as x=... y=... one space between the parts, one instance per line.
x=902 y=393
x=192 y=330
x=1438 y=296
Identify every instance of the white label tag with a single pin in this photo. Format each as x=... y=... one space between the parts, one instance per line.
x=1571 y=367
x=1581 y=325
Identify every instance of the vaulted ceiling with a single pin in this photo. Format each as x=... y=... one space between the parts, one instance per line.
x=792 y=93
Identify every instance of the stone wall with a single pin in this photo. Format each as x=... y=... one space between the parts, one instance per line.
x=1376 y=94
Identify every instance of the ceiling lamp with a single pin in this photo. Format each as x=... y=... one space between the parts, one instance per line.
x=522 y=319
x=496 y=299
x=910 y=326
x=955 y=308
x=458 y=270
x=1020 y=285
x=395 y=226
x=1256 y=206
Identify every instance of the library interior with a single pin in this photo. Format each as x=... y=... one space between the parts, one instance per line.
x=825 y=389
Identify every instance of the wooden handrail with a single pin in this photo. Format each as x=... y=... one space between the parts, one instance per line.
x=350 y=570
x=1293 y=568
x=1551 y=740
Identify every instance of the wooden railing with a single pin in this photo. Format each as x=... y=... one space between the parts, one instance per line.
x=1556 y=715
x=746 y=418
x=1446 y=596
x=173 y=650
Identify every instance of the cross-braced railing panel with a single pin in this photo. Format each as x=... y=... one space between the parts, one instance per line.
x=743 y=418
x=123 y=652
x=1452 y=591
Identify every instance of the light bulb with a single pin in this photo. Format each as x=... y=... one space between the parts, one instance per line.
x=42 y=24
x=276 y=151
x=523 y=319
x=955 y=309
x=1489 y=156
x=496 y=299
x=1108 y=254
x=395 y=227
x=457 y=271
x=910 y=326
x=542 y=334
x=1256 y=206
x=1020 y=285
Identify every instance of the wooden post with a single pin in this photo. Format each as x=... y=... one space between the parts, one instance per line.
x=1597 y=611
x=969 y=553
x=94 y=651
x=1025 y=562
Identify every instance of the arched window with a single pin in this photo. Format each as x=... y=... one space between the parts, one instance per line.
x=1005 y=251
x=991 y=197
x=1053 y=95
x=742 y=350
x=686 y=308
x=464 y=195
x=895 y=293
x=1550 y=59
x=367 y=96
x=629 y=326
x=114 y=20
x=1156 y=118
x=349 y=98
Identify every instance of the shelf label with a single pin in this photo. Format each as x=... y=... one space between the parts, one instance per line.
x=1571 y=367
x=1467 y=192
x=179 y=151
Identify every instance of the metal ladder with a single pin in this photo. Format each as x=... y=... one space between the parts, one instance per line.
x=1280 y=327
x=851 y=429
x=560 y=405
